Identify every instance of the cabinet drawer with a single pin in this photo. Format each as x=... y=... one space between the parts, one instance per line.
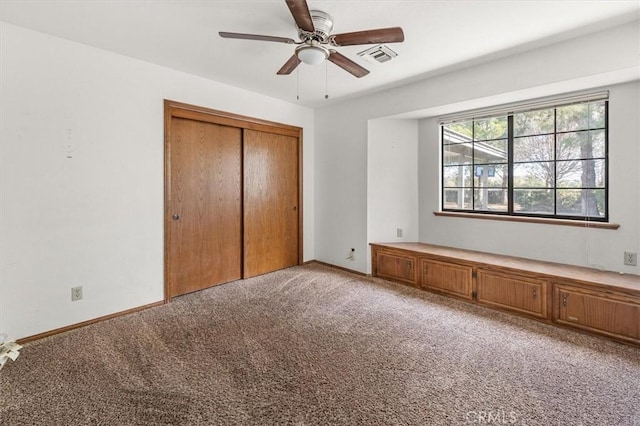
x=610 y=314
x=515 y=293
x=396 y=267
x=447 y=278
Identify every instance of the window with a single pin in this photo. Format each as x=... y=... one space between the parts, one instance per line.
x=548 y=162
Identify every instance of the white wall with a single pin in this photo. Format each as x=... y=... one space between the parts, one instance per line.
x=95 y=219
x=392 y=181
x=600 y=59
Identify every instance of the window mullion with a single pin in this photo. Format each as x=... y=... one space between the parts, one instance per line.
x=510 y=163
x=442 y=186
x=606 y=160
x=555 y=161
x=473 y=165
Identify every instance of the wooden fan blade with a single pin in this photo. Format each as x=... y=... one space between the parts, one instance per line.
x=290 y=65
x=381 y=35
x=347 y=64
x=300 y=12
x=259 y=37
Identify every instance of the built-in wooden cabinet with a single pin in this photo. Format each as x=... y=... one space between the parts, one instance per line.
x=512 y=292
x=612 y=314
x=604 y=303
x=396 y=267
x=447 y=277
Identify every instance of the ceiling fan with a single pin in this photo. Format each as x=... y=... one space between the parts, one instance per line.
x=316 y=40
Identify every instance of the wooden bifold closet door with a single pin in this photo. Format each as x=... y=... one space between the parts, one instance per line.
x=232 y=191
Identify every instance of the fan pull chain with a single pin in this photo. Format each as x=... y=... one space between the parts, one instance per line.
x=326 y=80
x=298 y=84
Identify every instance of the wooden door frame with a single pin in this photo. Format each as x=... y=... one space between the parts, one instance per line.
x=181 y=110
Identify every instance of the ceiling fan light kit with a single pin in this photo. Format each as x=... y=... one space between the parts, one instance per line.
x=314 y=32
x=312 y=54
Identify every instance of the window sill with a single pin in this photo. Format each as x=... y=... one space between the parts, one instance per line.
x=563 y=222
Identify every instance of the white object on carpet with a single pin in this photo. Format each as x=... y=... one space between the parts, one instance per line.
x=8 y=350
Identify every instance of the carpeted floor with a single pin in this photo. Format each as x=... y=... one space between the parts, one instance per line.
x=315 y=346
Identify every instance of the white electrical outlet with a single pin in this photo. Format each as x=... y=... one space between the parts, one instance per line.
x=399 y=232
x=76 y=293
x=630 y=258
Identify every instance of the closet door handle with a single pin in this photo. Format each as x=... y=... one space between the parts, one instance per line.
x=175 y=216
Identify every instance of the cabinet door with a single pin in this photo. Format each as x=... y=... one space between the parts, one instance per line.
x=526 y=295
x=613 y=315
x=447 y=277
x=396 y=267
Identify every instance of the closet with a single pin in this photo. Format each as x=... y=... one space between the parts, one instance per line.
x=232 y=197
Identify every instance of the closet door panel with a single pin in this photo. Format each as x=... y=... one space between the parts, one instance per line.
x=204 y=205
x=270 y=202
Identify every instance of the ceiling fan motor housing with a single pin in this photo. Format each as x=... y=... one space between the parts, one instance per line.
x=323 y=24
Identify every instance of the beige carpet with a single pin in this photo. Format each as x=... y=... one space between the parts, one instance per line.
x=313 y=345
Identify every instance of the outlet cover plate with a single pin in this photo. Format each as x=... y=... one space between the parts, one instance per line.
x=630 y=258
x=76 y=293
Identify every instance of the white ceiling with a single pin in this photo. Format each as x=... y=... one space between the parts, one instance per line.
x=439 y=36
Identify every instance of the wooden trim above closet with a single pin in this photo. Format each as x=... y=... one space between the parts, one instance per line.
x=178 y=109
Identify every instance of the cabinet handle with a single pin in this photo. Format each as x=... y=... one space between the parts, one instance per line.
x=535 y=292
x=426 y=269
x=408 y=265
x=564 y=299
